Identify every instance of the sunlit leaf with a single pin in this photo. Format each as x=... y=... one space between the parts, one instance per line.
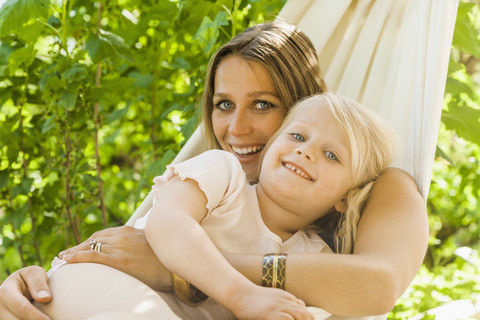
x=465 y=121
x=207 y=33
x=106 y=45
x=466 y=36
x=15 y=13
x=23 y=56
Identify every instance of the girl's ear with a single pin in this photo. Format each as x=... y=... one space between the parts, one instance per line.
x=340 y=206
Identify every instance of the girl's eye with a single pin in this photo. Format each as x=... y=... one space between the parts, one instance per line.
x=298 y=137
x=263 y=105
x=331 y=155
x=224 y=105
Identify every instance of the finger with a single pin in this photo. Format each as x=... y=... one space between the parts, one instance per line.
x=21 y=308
x=36 y=281
x=300 y=302
x=90 y=256
x=82 y=246
x=300 y=313
x=282 y=316
x=85 y=246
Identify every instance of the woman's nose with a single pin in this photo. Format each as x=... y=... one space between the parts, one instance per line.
x=305 y=152
x=240 y=124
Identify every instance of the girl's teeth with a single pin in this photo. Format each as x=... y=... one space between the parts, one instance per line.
x=298 y=171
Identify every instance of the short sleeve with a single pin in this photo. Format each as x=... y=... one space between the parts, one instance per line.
x=218 y=174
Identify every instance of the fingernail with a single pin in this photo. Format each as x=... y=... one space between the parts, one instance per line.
x=43 y=294
x=61 y=254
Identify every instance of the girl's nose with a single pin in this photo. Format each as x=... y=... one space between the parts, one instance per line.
x=305 y=152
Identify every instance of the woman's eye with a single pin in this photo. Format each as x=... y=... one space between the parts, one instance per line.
x=263 y=105
x=298 y=137
x=224 y=105
x=331 y=155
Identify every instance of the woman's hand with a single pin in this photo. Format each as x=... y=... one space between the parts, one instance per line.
x=18 y=288
x=268 y=303
x=126 y=249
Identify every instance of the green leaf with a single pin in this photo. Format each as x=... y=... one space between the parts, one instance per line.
x=15 y=13
x=22 y=188
x=456 y=87
x=117 y=114
x=49 y=124
x=465 y=35
x=3 y=178
x=464 y=121
x=22 y=56
x=207 y=33
x=75 y=73
x=141 y=80
x=68 y=100
x=158 y=167
x=107 y=45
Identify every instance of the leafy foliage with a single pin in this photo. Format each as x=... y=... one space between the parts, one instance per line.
x=97 y=97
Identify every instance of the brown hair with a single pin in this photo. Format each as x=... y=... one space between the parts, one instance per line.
x=286 y=52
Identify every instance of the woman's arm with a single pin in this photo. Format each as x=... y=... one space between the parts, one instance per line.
x=183 y=246
x=391 y=242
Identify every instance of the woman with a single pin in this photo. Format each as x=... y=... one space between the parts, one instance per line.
x=246 y=99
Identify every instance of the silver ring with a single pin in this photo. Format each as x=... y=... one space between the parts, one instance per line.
x=98 y=247
x=93 y=244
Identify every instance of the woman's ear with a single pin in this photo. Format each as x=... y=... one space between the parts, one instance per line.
x=340 y=206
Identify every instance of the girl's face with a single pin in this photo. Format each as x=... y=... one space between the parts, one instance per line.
x=308 y=167
x=247 y=110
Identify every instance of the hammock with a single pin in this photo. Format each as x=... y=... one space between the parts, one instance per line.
x=390 y=55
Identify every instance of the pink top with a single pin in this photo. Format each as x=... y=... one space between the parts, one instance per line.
x=233 y=221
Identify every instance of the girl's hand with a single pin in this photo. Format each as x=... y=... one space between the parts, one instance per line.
x=269 y=303
x=126 y=249
x=18 y=288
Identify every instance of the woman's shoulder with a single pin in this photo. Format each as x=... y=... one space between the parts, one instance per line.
x=396 y=178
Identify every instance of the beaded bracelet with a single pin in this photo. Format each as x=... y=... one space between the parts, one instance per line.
x=187 y=292
x=273 y=270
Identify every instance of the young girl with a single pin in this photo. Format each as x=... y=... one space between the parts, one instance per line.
x=323 y=159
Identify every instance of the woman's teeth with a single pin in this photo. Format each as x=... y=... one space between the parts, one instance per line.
x=297 y=171
x=247 y=150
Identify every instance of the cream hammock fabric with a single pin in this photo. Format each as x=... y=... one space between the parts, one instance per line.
x=390 y=55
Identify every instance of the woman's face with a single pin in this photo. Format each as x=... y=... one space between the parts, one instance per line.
x=247 y=110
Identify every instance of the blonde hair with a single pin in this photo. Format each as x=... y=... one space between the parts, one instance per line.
x=284 y=51
x=372 y=143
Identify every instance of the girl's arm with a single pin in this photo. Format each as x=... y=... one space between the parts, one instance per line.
x=391 y=242
x=182 y=245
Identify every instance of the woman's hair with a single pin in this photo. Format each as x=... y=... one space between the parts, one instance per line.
x=284 y=51
x=372 y=143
